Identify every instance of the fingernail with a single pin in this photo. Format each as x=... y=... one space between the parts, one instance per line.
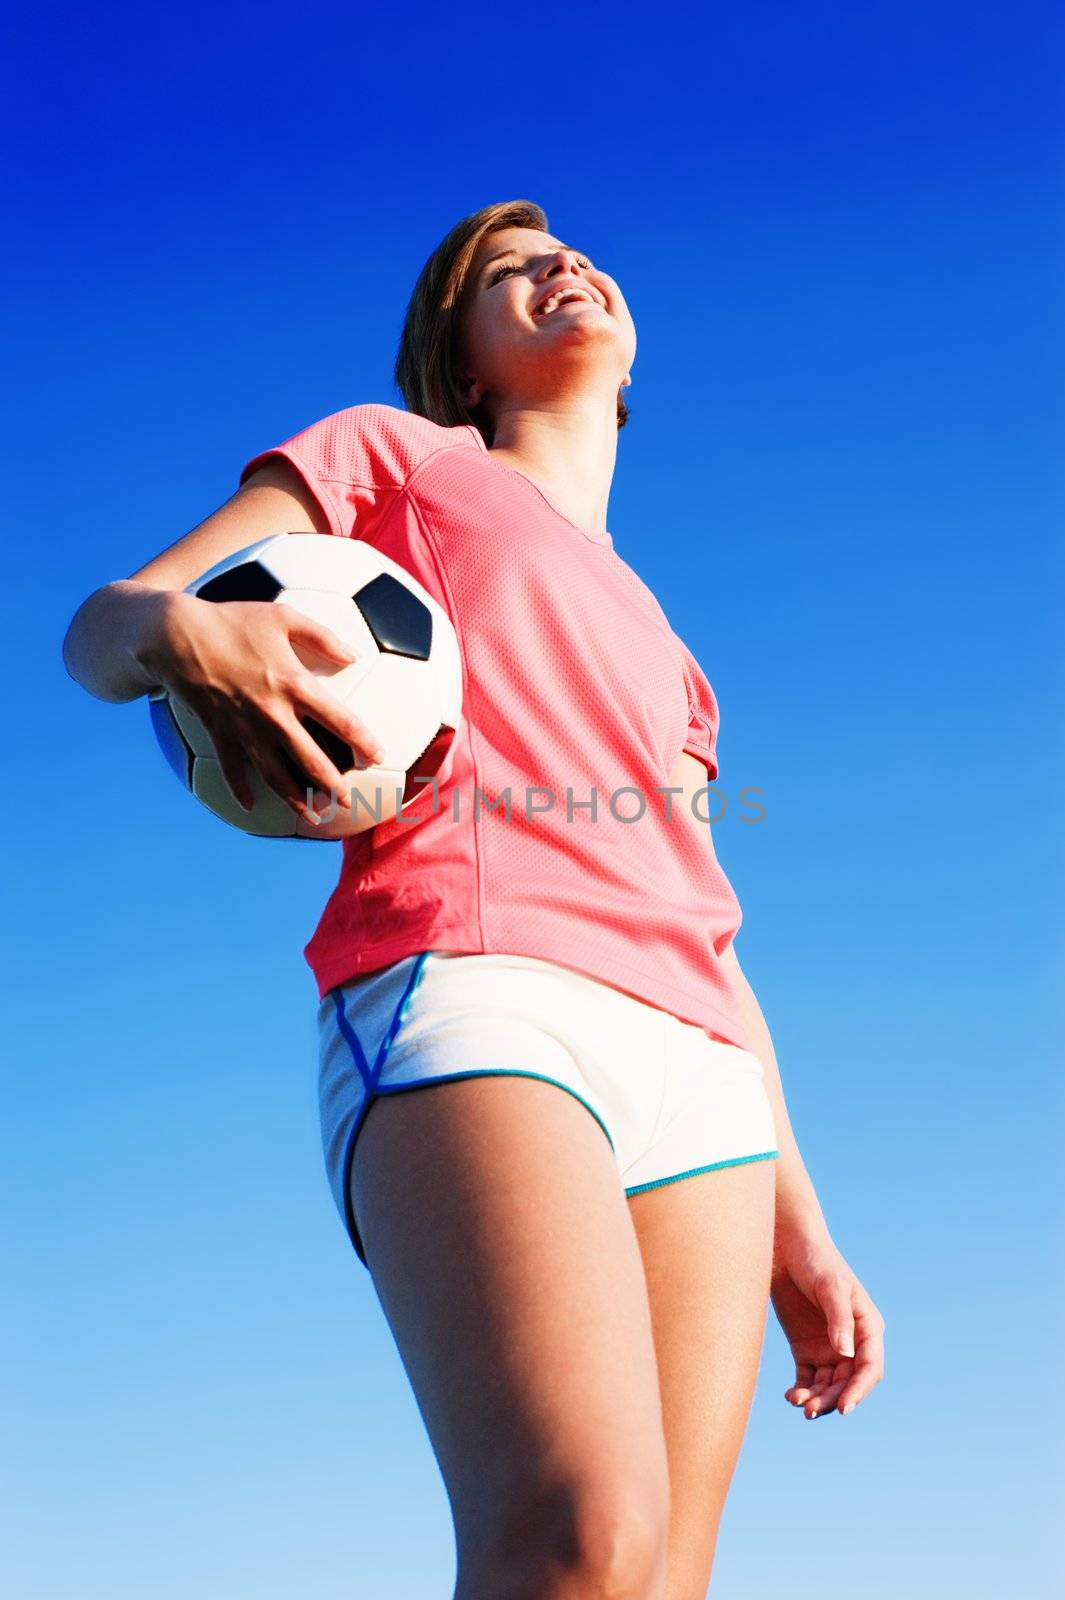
x=846 y=1348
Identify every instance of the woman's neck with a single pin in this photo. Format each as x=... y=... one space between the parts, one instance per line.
x=570 y=452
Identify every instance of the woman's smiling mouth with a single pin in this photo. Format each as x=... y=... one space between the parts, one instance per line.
x=566 y=296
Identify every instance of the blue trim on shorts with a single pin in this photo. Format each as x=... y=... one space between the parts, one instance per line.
x=498 y=1072
x=737 y=1161
x=371 y=1078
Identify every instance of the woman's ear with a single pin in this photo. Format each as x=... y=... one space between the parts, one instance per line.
x=471 y=390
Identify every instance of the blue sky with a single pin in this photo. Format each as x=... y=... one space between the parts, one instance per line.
x=839 y=233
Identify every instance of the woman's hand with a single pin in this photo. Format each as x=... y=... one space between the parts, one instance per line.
x=835 y=1331
x=234 y=664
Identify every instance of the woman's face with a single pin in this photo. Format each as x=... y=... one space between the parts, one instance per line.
x=513 y=341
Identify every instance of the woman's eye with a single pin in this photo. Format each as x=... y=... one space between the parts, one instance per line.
x=501 y=272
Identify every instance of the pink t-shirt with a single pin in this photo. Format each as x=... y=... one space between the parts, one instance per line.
x=576 y=692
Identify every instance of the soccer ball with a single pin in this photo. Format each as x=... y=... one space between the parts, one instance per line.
x=406 y=682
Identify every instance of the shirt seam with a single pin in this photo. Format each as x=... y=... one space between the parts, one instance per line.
x=399 y=482
x=424 y=461
x=391 y=484
x=467 y=712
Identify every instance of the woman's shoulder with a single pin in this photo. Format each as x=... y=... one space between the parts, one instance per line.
x=354 y=460
x=377 y=444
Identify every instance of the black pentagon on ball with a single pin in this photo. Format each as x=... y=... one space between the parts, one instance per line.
x=249 y=581
x=422 y=771
x=338 y=750
x=400 y=622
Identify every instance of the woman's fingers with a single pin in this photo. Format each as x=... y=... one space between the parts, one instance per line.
x=869 y=1363
x=303 y=762
x=312 y=694
x=312 y=763
x=309 y=767
x=850 y=1381
x=289 y=760
x=803 y=1385
x=826 y=1396
x=869 y=1339
x=287 y=775
x=818 y=1389
x=822 y=1404
x=284 y=777
x=314 y=635
x=318 y=701
x=276 y=765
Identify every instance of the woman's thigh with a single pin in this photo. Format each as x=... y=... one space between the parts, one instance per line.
x=706 y=1244
x=502 y=1249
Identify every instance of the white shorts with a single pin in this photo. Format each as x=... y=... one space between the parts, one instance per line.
x=671 y=1100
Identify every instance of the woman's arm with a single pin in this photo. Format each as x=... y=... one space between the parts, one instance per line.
x=798 y=1207
x=835 y=1331
x=115 y=633
x=797 y=1204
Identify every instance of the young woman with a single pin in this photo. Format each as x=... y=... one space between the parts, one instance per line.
x=577 y=1281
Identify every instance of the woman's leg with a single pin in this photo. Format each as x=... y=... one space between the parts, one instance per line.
x=706 y=1243
x=502 y=1250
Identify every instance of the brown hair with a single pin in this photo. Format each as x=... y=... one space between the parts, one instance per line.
x=424 y=371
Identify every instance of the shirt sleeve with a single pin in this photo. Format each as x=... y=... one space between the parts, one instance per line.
x=353 y=463
x=702 y=742
x=703 y=716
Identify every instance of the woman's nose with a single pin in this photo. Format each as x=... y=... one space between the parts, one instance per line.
x=561 y=259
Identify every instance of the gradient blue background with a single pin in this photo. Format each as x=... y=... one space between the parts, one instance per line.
x=838 y=230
